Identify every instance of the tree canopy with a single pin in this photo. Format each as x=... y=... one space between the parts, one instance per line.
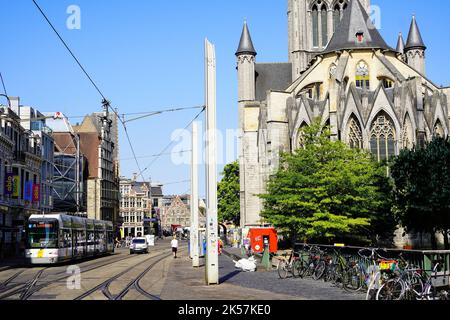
x=422 y=189
x=327 y=191
x=228 y=194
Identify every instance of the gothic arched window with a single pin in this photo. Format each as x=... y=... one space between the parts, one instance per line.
x=355 y=138
x=315 y=25
x=338 y=9
x=301 y=137
x=362 y=75
x=382 y=137
x=438 y=130
x=324 y=18
x=407 y=134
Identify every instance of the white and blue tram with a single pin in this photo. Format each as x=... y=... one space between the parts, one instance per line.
x=55 y=238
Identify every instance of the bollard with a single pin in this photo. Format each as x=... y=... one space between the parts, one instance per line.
x=266 y=259
x=243 y=251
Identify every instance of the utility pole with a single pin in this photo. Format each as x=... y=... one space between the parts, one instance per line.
x=194 y=245
x=212 y=258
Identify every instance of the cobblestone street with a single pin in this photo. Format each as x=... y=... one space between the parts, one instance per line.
x=269 y=281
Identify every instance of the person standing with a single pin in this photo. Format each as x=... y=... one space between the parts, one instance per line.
x=174 y=244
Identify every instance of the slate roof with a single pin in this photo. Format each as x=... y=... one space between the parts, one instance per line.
x=414 y=38
x=400 y=44
x=272 y=76
x=246 y=44
x=356 y=20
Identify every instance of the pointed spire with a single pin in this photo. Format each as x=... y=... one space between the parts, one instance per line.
x=414 y=37
x=246 y=44
x=356 y=31
x=401 y=44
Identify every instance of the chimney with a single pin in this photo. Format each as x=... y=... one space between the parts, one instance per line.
x=135 y=175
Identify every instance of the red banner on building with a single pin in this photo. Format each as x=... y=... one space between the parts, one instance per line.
x=36 y=193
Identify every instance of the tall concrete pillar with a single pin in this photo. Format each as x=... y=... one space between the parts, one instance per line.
x=194 y=243
x=212 y=239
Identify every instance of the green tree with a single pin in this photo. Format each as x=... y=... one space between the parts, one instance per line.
x=327 y=191
x=422 y=189
x=228 y=194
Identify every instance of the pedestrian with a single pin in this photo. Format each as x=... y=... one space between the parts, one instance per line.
x=174 y=244
x=220 y=248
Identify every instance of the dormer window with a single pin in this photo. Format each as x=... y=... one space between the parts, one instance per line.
x=362 y=75
x=359 y=37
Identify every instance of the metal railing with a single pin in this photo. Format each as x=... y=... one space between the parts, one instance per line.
x=422 y=259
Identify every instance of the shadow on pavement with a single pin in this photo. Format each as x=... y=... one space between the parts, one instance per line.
x=229 y=276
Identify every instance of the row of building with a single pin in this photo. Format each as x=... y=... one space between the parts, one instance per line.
x=47 y=165
x=145 y=210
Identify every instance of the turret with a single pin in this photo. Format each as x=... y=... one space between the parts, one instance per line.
x=401 y=46
x=246 y=54
x=415 y=48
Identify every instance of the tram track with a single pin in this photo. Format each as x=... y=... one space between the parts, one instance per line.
x=4 y=285
x=104 y=286
x=29 y=288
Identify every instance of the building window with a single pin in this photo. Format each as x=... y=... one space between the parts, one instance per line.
x=355 y=138
x=382 y=138
x=407 y=134
x=315 y=28
x=438 y=130
x=324 y=18
x=362 y=75
x=301 y=136
x=386 y=82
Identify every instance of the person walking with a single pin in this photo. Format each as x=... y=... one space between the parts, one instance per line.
x=174 y=244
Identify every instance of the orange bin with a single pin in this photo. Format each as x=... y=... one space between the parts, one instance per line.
x=259 y=236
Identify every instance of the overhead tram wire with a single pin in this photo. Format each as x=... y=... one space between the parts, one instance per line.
x=168 y=146
x=158 y=155
x=105 y=102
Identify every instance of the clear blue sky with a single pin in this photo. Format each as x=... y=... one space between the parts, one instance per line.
x=148 y=55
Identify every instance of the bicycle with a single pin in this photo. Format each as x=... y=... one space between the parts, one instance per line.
x=291 y=265
x=406 y=285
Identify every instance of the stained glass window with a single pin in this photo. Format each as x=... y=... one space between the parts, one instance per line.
x=382 y=138
x=362 y=75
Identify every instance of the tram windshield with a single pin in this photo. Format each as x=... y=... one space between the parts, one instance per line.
x=43 y=234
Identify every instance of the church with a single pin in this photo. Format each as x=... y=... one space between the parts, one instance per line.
x=342 y=71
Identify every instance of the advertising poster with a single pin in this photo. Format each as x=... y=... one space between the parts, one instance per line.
x=9 y=184
x=28 y=191
x=36 y=193
x=16 y=187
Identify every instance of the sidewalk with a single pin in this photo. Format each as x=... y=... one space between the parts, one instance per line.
x=186 y=283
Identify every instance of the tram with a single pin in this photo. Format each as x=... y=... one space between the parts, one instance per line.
x=55 y=238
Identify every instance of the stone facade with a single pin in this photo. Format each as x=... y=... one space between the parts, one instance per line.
x=177 y=211
x=372 y=96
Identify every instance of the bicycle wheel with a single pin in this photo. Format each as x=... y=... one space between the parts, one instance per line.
x=297 y=269
x=283 y=270
x=416 y=287
x=329 y=273
x=319 y=270
x=391 y=290
x=352 y=279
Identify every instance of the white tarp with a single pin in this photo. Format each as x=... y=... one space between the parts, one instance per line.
x=246 y=265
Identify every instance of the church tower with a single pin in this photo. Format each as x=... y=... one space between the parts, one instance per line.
x=248 y=153
x=415 y=48
x=311 y=24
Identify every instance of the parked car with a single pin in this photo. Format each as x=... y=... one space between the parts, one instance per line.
x=139 y=245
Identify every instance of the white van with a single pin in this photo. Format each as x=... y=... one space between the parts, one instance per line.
x=139 y=245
